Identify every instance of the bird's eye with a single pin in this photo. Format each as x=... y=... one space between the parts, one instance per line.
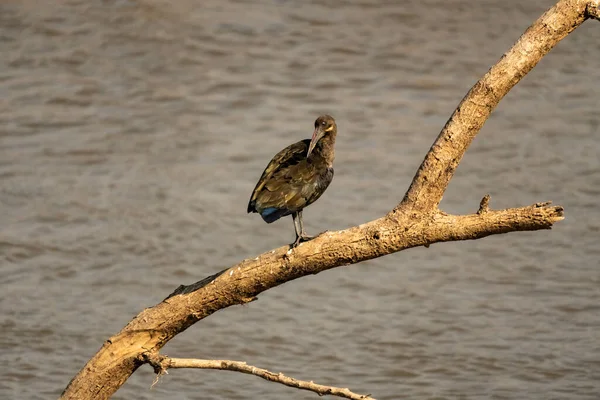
x=323 y=123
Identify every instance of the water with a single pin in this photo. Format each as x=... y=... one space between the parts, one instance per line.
x=133 y=132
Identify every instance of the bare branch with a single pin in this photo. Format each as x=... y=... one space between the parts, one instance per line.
x=416 y=221
x=155 y=326
x=432 y=178
x=162 y=363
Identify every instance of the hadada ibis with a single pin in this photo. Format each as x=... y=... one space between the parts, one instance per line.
x=296 y=177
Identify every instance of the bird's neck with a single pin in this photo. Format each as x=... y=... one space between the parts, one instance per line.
x=325 y=149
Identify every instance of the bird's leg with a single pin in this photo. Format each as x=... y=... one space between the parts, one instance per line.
x=298 y=231
x=303 y=234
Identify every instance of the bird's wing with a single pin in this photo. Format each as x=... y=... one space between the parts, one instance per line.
x=281 y=164
x=293 y=185
x=296 y=186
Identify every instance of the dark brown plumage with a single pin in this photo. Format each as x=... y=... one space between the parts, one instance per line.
x=296 y=177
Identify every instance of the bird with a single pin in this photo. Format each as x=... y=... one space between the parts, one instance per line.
x=296 y=177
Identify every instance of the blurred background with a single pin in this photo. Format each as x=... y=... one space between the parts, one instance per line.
x=133 y=132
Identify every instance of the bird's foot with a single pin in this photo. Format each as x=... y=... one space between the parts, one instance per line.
x=302 y=238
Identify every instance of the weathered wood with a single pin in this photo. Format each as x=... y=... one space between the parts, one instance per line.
x=416 y=221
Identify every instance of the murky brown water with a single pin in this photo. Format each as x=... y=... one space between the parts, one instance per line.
x=131 y=136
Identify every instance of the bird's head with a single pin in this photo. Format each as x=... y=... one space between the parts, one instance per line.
x=324 y=125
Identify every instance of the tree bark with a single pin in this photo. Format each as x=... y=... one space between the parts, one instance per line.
x=415 y=221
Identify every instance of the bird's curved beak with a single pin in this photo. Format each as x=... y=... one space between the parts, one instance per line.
x=313 y=142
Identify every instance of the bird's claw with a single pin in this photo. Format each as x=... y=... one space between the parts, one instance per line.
x=300 y=239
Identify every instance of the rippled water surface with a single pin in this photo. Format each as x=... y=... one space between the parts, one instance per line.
x=131 y=136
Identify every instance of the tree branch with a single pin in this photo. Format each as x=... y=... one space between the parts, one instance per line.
x=416 y=221
x=154 y=327
x=162 y=363
x=440 y=163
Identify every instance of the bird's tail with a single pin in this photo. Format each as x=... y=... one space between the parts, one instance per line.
x=272 y=214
